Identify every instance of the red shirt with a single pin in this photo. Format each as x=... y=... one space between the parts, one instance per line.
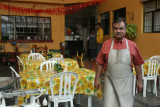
x=136 y=57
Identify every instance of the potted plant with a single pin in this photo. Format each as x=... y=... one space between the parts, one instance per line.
x=58 y=67
x=131 y=32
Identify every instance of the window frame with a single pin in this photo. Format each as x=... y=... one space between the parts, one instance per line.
x=33 y=29
x=153 y=13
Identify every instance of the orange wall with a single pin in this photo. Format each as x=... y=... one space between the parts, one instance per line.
x=57 y=26
x=148 y=43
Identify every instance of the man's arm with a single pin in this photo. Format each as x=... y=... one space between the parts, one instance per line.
x=98 y=73
x=139 y=74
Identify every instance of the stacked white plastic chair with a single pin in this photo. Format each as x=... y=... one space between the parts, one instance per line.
x=153 y=66
x=20 y=64
x=158 y=58
x=16 y=84
x=65 y=84
x=36 y=56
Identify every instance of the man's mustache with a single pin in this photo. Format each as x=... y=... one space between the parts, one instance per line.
x=118 y=33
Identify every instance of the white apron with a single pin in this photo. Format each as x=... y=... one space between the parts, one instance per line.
x=118 y=79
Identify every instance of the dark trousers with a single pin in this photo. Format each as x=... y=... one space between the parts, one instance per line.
x=93 y=53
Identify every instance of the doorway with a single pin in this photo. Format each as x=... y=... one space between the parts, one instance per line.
x=77 y=27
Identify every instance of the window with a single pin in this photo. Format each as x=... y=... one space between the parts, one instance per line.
x=152 y=16
x=26 y=28
x=105 y=22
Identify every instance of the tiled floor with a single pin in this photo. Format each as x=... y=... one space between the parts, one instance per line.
x=139 y=101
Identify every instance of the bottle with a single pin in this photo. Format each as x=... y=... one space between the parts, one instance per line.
x=44 y=102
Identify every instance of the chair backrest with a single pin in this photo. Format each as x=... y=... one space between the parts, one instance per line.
x=36 y=56
x=57 y=59
x=20 y=64
x=43 y=50
x=155 y=57
x=49 y=65
x=66 y=87
x=15 y=74
x=151 y=67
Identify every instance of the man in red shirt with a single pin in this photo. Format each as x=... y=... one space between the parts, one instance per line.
x=116 y=57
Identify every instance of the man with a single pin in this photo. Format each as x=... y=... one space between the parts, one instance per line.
x=99 y=37
x=91 y=41
x=117 y=56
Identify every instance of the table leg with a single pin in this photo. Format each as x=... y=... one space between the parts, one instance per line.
x=78 y=98
x=89 y=101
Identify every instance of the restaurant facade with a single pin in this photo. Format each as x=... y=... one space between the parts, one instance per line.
x=26 y=28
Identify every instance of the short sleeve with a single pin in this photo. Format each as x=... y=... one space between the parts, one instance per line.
x=137 y=59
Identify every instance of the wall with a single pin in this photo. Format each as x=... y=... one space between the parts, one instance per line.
x=57 y=25
x=148 y=43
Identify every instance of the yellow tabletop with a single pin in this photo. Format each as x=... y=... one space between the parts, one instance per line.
x=31 y=79
x=35 y=65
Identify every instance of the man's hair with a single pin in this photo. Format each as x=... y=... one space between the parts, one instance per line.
x=119 y=21
x=99 y=24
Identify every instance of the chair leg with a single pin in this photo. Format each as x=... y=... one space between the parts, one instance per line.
x=32 y=98
x=144 y=87
x=155 y=87
x=49 y=103
x=71 y=102
x=16 y=100
x=66 y=104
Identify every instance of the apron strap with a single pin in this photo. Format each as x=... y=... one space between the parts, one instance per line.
x=127 y=44
x=112 y=44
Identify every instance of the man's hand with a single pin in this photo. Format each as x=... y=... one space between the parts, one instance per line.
x=97 y=84
x=139 y=86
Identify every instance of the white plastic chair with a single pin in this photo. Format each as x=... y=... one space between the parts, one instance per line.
x=158 y=58
x=20 y=64
x=67 y=95
x=153 y=66
x=49 y=65
x=16 y=84
x=57 y=59
x=36 y=56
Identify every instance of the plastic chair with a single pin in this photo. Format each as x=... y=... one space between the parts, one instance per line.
x=36 y=56
x=20 y=64
x=158 y=58
x=16 y=84
x=48 y=64
x=65 y=85
x=153 y=66
x=57 y=59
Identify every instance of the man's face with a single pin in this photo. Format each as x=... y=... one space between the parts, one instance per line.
x=119 y=30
